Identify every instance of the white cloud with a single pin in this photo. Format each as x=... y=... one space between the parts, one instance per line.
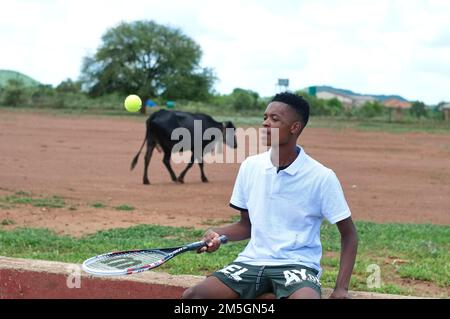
x=379 y=47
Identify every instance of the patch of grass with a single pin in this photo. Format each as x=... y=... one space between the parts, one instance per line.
x=342 y=123
x=6 y=222
x=23 y=198
x=22 y=193
x=427 y=270
x=381 y=124
x=420 y=252
x=214 y=222
x=98 y=205
x=124 y=207
x=389 y=288
x=242 y=120
x=45 y=244
x=330 y=262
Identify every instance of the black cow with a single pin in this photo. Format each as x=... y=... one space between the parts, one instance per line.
x=160 y=126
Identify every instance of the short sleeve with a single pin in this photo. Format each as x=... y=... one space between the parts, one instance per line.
x=239 y=195
x=334 y=206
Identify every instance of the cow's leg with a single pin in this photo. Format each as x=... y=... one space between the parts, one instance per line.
x=183 y=173
x=166 y=161
x=204 y=179
x=148 y=156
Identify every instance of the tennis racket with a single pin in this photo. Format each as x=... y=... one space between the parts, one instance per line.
x=135 y=261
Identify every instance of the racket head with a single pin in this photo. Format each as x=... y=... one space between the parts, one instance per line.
x=125 y=262
x=135 y=261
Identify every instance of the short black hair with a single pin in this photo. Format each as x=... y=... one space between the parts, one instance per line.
x=297 y=102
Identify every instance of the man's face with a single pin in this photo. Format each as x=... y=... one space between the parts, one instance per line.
x=279 y=119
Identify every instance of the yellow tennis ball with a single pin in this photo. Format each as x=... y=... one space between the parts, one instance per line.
x=133 y=103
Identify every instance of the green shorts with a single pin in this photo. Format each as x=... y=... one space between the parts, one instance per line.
x=252 y=281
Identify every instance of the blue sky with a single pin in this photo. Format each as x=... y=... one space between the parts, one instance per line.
x=374 y=47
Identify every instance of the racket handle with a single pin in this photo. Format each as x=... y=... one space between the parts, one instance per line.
x=223 y=239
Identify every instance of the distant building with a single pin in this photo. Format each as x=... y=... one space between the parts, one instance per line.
x=397 y=106
x=360 y=100
x=344 y=99
x=446 y=111
x=347 y=100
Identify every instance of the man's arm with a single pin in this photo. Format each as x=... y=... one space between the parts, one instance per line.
x=349 y=246
x=237 y=231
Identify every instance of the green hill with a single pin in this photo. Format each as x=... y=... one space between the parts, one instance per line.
x=322 y=88
x=6 y=75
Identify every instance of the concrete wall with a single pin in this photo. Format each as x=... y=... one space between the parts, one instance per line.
x=36 y=279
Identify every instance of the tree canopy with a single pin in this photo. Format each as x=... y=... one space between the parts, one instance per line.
x=148 y=59
x=418 y=109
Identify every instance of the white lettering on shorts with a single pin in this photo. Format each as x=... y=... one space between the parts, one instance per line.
x=233 y=272
x=296 y=276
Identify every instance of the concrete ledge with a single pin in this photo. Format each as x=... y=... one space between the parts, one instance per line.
x=37 y=279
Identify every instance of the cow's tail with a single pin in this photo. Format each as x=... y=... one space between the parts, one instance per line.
x=135 y=159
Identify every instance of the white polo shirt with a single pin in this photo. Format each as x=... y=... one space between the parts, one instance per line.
x=286 y=209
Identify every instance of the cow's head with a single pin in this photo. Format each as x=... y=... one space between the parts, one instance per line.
x=229 y=134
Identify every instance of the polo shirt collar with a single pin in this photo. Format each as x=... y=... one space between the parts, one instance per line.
x=291 y=169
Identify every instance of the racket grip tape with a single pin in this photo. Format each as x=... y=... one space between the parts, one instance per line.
x=223 y=240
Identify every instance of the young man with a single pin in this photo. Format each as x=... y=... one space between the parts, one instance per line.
x=283 y=195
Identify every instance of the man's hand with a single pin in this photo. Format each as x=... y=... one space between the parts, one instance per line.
x=212 y=242
x=340 y=293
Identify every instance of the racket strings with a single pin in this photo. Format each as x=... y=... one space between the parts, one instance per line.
x=127 y=260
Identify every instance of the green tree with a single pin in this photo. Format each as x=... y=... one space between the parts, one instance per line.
x=317 y=106
x=334 y=106
x=69 y=86
x=147 y=59
x=14 y=93
x=439 y=106
x=371 y=109
x=244 y=99
x=45 y=95
x=194 y=86
x=418 y=109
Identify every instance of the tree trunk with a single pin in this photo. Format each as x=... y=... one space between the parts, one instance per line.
x=144 y=106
